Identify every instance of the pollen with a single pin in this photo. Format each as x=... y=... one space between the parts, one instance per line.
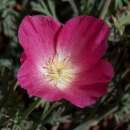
x=59 y=71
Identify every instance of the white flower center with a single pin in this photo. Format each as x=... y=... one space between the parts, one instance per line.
x=59 y=71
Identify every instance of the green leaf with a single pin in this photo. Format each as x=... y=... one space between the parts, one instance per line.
x=44 y=8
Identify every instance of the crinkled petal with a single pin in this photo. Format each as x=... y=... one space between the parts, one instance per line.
x=102 y=72
x=31 y=78
x=37 y=35
x=89 y=85
x=83 y=96
x=83 y=39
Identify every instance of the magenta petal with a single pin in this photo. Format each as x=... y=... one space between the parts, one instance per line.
x=90 y=85
x=83 y=96
x=102 y=72
x=37 y=35
x=31 y=78
x=84 y=39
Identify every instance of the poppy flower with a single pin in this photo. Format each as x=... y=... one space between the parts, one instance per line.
x=64 y=61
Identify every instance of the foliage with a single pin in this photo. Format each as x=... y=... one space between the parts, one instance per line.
x=18 y=111
x=47 y=8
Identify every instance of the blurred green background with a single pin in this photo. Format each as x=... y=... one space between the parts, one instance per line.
x=19 y=112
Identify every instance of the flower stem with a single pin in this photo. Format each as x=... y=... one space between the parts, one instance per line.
x=105 y=9
x=28 y=111
x=15 y=85
x=95 y=121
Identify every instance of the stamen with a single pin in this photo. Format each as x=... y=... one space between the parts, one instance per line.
x=59 y=71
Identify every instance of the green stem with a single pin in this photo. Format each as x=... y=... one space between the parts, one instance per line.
x=15 y=85
x=28 y=111
x=105 y=9
x=95 y=121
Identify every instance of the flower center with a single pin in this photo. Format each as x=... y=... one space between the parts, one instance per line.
x=59 y=71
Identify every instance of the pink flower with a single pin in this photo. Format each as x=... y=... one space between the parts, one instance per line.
x=64 y=61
